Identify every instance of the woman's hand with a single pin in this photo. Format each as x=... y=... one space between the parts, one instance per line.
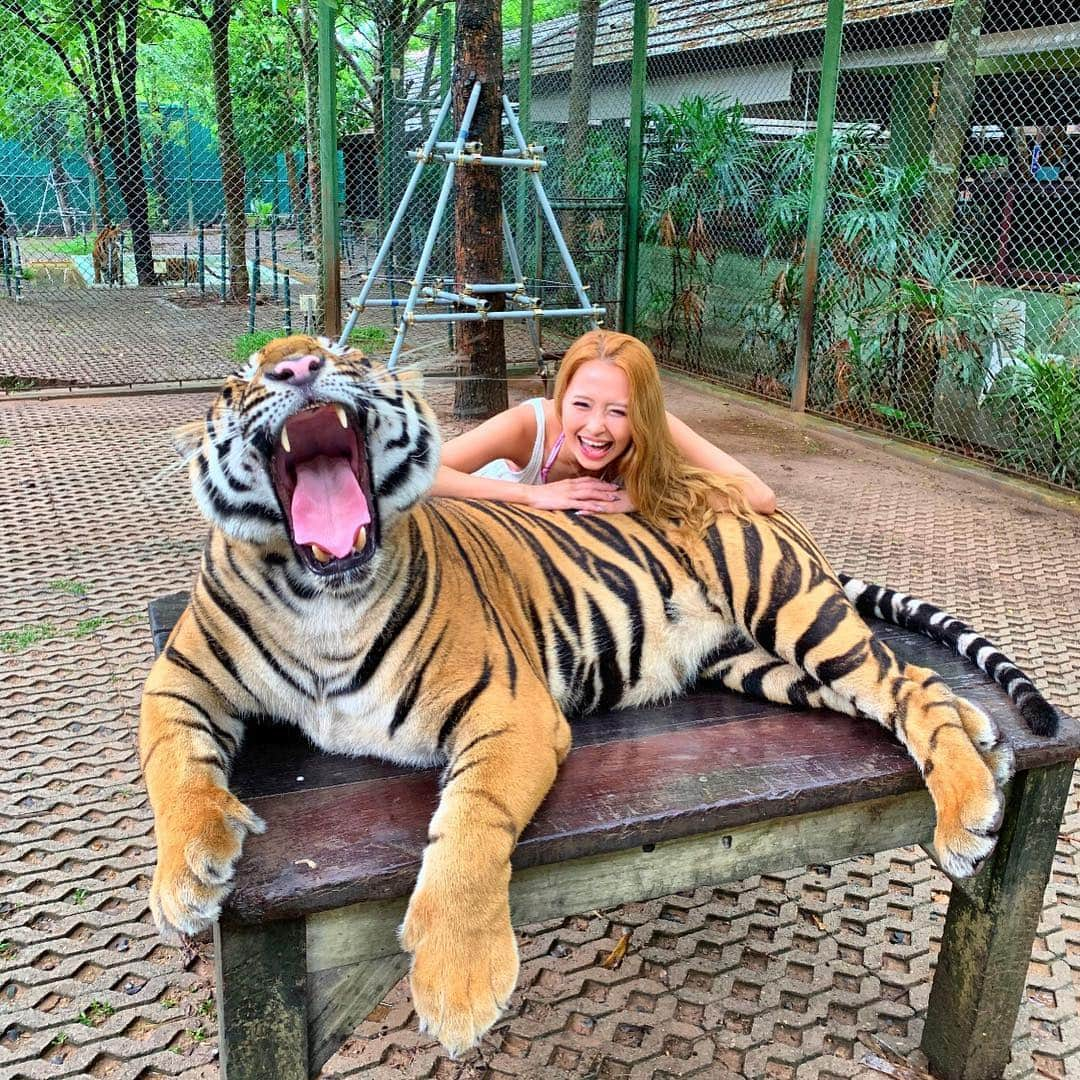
x=580 y=493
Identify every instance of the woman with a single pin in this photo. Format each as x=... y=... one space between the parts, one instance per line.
x=605 y=444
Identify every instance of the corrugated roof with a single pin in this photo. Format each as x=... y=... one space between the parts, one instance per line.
x=684 y=25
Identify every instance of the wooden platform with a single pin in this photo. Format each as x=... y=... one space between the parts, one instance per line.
x=709 y=788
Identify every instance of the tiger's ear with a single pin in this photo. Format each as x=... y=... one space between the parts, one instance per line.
x=187 y=438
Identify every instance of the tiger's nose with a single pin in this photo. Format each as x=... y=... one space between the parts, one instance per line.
x=299 y=370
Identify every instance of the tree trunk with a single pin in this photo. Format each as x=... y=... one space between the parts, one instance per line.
x=296 y=192
x=114 y=65
x=478 y=207
x=99 y=202
x=157 y=169
x=61 y=180
x=232 y=163
x=952 y=121
x=577 y=127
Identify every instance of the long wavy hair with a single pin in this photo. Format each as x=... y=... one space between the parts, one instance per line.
x=664 y=486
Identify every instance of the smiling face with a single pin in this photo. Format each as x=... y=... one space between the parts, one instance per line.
x=595 y=415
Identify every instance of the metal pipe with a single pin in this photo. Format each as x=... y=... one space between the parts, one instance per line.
x=251 y=311
x=202 y=259
x=515 y=265
x=536 y=313
x=482 y=159
x=256 y=277
x=502 y=287
x=433 y=230
x=633 y=167
x=17 y=259
x=273 y=244
x=288 y=303
x=222 y=264
x=453 y=298
x=391 y=231
x=830 y=73
x=330 y=262
x=549 y=214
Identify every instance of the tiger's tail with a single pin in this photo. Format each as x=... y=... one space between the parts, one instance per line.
x=931 y=621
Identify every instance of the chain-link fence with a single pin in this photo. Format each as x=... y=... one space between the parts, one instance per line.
x=947 y=304
x=948 y=284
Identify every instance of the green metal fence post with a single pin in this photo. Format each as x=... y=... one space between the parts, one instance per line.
x=524 y=96
x=633 y=167
x=330 y=261
x=826 y=111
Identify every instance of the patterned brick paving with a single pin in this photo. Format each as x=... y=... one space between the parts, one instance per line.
x=803 y=974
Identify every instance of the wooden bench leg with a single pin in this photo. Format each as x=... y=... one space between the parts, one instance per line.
x=986 y=944
x=261 y=974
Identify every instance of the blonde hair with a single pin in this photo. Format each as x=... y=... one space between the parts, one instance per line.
x=663 y=485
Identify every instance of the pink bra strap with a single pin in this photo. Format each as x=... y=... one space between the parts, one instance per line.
x=546 y=467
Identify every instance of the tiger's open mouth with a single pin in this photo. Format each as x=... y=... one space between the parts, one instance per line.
x=321 y=474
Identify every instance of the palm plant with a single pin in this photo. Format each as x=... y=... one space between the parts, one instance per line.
x=1039 y=397
x=701 y=180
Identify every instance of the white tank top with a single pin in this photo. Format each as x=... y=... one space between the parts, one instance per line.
x=501 y=469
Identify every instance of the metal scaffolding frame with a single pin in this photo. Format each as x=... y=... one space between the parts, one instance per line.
x=442 y=291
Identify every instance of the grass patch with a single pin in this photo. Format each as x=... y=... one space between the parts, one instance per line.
x=246 y=344
x=69 y=586
x=17 y=382
x=369 y=335
x=12 y=641
x=85 y=627
x=95 y=1013
x=5 y=442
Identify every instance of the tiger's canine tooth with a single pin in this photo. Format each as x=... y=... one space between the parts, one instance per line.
x=322 y=555
x=342 y=418
x=360 y=540
x=285 y=439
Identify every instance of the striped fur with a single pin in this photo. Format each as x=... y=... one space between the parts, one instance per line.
x=933 y=622
x=465 y=634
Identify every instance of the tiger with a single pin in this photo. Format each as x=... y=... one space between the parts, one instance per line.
x=179 y=269
x=107 y=255
x=334 y=595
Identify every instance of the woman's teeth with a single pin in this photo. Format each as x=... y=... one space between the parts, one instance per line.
x=593 y=449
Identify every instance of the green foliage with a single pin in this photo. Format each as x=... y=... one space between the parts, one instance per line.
x=95 y=1013
x=246 y=344
x=85 y=627
x=368 y=335
x=12 y=641
x=1039 y=398
x=69 y=586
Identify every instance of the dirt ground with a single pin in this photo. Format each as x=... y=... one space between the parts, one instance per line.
x=803 y=974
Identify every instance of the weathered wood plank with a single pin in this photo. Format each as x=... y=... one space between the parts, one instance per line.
x=365 y=932
x=261 y=977
x=986 y=944
x=339 y=998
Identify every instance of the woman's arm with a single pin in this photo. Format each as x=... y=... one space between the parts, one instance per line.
x=511 y=435
x=704 y=455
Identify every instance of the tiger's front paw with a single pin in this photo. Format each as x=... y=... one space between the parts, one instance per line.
x=199 y=840
x=462 y=973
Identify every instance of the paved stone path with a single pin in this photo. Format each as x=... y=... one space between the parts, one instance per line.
x=793 y=975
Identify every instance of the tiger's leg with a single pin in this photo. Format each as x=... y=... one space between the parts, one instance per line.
x=186 y=744
x=747 y=668
x=947 y=737
x=503 y=757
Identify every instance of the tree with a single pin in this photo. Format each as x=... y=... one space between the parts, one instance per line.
x=952 y=121
x=577 y=127
x=96 y=43
x=478 y=207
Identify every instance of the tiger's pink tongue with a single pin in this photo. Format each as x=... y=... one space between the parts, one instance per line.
x=328 y=505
